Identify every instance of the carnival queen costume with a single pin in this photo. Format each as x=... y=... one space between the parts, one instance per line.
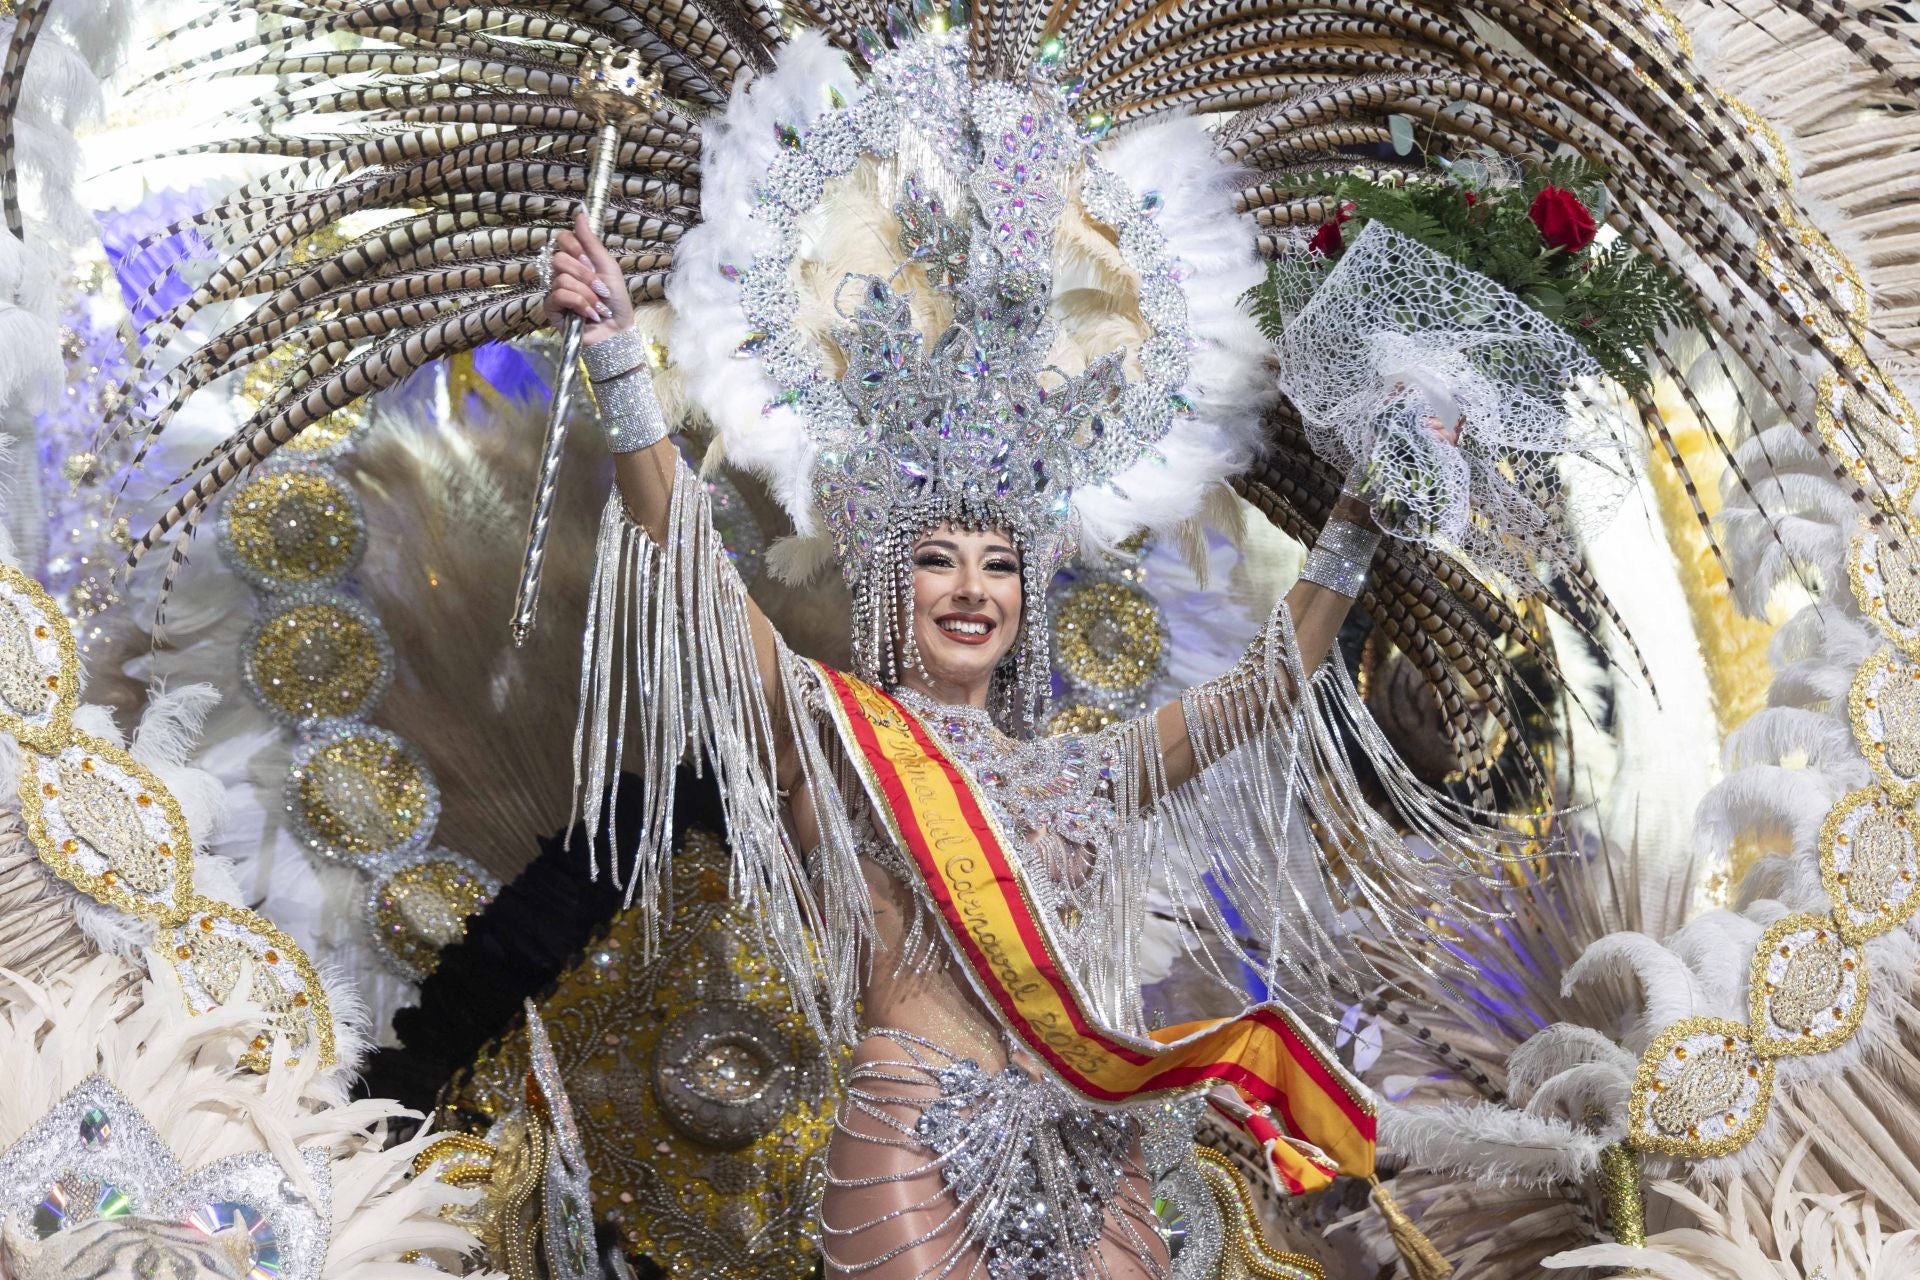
x=972 y=912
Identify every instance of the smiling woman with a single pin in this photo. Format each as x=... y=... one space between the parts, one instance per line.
x=966 y=613
x=945 y=891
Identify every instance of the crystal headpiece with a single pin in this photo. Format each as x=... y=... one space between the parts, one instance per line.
x=919 y=297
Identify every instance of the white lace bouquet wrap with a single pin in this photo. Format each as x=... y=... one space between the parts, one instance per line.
x=1397 y=337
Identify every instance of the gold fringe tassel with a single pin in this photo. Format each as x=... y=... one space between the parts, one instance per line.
x=1424 y=1262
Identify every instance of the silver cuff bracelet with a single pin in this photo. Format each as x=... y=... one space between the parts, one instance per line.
x=1340 y=557
x=629 y=412
x=622 y=353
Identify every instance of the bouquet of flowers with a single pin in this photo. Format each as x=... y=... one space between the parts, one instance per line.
x=1493 y=307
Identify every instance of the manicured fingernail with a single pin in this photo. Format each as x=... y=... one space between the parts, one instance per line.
x=600 y=287
x=606 y=312
x=586 y=262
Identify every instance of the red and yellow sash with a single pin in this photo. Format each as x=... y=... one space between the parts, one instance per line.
x=1310 y=1114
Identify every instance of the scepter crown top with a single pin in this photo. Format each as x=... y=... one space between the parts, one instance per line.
x=613 y=86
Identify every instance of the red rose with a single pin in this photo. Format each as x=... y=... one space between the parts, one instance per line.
x=1326 y=241
x=1472 y=199
x=1564 y=222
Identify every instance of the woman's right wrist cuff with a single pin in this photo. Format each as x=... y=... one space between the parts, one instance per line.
x=622 y=353
x=629 y=411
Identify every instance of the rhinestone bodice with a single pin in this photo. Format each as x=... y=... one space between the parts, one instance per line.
x=1054 y=802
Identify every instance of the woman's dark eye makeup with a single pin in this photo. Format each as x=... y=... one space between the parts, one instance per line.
x=935 y=558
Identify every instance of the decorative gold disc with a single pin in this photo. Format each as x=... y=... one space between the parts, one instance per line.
x=292 y=526
x=361 y=792
x=316 y=658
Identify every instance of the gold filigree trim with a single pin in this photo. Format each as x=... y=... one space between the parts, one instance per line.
x=108 y=826
x=105 y=824
x=1839 y=323
x=1807 y=988
x=39 y=668
x=1880 y=450
x=1869 y=861
x=1701 y=1090
x=208 y=951
x=457 y=1159
x=1885 y=578
x=1765 y=138
x=1884 y=706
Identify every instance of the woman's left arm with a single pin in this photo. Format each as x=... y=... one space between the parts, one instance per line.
x=1331 y=580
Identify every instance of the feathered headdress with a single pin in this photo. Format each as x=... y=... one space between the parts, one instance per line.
x=925 y=295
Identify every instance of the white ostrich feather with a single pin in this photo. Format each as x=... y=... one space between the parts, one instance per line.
x=1491 y=1143
x=1823 y=739
x=1593 y=1088
x=1668 y=987
x=1229 y=386
x=736 y=150
x=1767 y=800
x=1561 y=1047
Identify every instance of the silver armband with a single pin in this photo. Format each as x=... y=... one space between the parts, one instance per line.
x=1340 y=557
x=629 y=412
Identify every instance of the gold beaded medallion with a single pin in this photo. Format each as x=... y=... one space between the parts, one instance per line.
x=1885 y=578
x=1879 y=449
x=1869 y=864
x=292 y=526
x=320 y=658
x=1884 y=705
x=1109 y=636
x=1808 y=987
x=107 y=825
x=420 y=903
x=360 y=792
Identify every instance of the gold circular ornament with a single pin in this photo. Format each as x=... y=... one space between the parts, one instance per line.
x=1870 y=864
x=1701 y=1090
x=1884 y=706
x=106 y=824
x=316 y=658
x=419 y=904
x=358 y=793
x=1109 y=636
x=1807 y=988
x=292 y=526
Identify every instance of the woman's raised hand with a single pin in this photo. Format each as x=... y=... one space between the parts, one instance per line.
x=588 y=283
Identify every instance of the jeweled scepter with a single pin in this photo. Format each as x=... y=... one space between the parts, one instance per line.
x=611 y=90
